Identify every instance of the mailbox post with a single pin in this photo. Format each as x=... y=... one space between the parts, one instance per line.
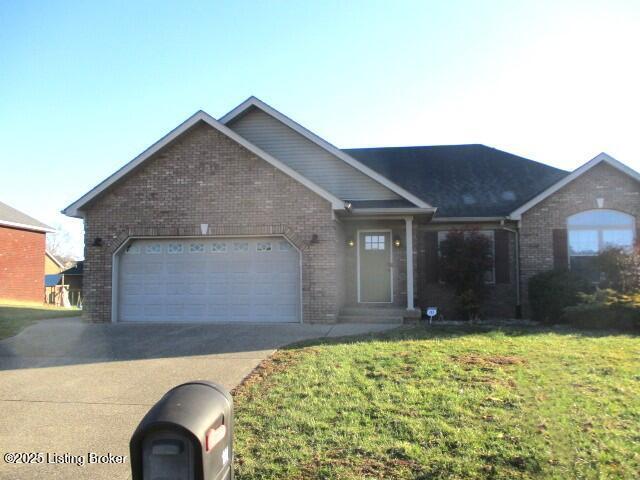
x=187 y=435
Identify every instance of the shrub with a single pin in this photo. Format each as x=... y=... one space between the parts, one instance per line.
x=620 y=269
x=552 y=291
x=465 y=259
x=606 y=309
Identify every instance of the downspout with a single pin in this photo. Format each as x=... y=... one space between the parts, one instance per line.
x=516 y=232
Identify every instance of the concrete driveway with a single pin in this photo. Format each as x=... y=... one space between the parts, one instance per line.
x=69 y=388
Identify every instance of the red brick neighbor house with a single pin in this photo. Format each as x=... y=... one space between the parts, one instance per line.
x=22 y=256
x=253 y=218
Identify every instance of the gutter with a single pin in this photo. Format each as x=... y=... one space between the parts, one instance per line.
x=516 y=232
x=25 y=226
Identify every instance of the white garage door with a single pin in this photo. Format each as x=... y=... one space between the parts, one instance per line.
x=212 y=280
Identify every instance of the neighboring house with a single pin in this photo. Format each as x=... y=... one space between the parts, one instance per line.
x=51 y=264
x=65 y=288
x=22 y=248
x=254 y=218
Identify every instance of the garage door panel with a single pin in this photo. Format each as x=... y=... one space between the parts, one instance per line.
x=215 y=280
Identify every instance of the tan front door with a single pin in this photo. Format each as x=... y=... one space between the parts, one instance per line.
x=375 y=267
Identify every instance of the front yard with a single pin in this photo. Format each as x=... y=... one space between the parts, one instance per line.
x=426 y=403
x=15 y=318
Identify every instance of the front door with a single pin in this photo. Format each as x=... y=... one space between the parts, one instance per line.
x=374 y=264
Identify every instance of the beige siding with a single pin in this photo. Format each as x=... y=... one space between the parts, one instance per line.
x=307 y=158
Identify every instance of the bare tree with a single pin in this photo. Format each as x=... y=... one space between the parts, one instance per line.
x=60 y=245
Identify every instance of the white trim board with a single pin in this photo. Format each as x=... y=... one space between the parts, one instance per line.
x=335 y=151
x=73 y=210
x=24 y=226
x=602 y=157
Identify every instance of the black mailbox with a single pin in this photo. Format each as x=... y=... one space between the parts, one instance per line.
x=187 y=435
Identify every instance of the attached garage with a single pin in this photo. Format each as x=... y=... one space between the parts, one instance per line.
x=208 y=280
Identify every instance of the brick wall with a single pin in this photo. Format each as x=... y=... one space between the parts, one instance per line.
x=21 y=265
x=205 y=177
x=619 y=191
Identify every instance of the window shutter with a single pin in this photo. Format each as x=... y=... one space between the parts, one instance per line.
x=501 y=259
x=431 y=257
x=560 y=253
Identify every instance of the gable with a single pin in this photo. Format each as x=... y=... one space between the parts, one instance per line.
x=586 y=177
x=202 y=176
x=308 y=158
x=75 y=209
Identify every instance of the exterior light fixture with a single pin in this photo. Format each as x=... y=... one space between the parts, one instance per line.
x=396 y=241
x=351 y=243
x=97 y=242
x=314 y=239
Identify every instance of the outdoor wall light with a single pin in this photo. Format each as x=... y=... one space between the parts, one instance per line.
x=97 y=242
x=396 y=241
x=314 y=239
x=351 y=243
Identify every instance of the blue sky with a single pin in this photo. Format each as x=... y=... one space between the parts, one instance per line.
x=86 y=86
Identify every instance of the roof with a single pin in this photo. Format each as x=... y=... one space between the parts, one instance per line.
x=253 y=102
x=74 y=210
x=53 y=258
x=11 y=217
x=77 y=269
x=462 y=180
x=602 y=157
x=52 y=280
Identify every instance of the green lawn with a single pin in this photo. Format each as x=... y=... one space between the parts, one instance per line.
x=457 y=403
x=15 y=318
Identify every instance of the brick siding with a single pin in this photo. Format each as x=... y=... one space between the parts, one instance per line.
x=21 y=265
x=619 y=191
x=205 y=177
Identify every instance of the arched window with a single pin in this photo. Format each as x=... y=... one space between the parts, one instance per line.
x=591 y=232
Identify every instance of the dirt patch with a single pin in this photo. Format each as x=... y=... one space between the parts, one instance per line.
x=280 y=361
x=488 y=361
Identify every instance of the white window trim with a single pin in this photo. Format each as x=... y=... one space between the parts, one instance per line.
x=599 y=229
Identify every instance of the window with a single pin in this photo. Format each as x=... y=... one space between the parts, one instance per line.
x=132 y=249
x=196 y=248
x=374 y=242
x=219 y=247
x=263 y=247
x=154 y=249
x=490 y=276
x=240 y=247
x=593 y=231
x=175 y=248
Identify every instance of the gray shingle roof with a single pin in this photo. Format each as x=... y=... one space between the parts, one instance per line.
x=11 y=216
x=462 y=180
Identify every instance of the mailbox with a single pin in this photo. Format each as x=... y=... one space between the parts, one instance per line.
x=187 y=435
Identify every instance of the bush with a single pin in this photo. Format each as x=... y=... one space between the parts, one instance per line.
x=553 y=291
x=605 y=309
x=465 y=259
x=620 y=269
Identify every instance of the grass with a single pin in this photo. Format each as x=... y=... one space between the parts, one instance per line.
x=426 y=403
x=15 y=317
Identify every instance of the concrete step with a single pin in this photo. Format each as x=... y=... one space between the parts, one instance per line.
x=370 y=319
x=374 y=311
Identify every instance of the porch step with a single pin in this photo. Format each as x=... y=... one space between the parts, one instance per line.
x=369 y=319
x=381 y=314
x=374 y=311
